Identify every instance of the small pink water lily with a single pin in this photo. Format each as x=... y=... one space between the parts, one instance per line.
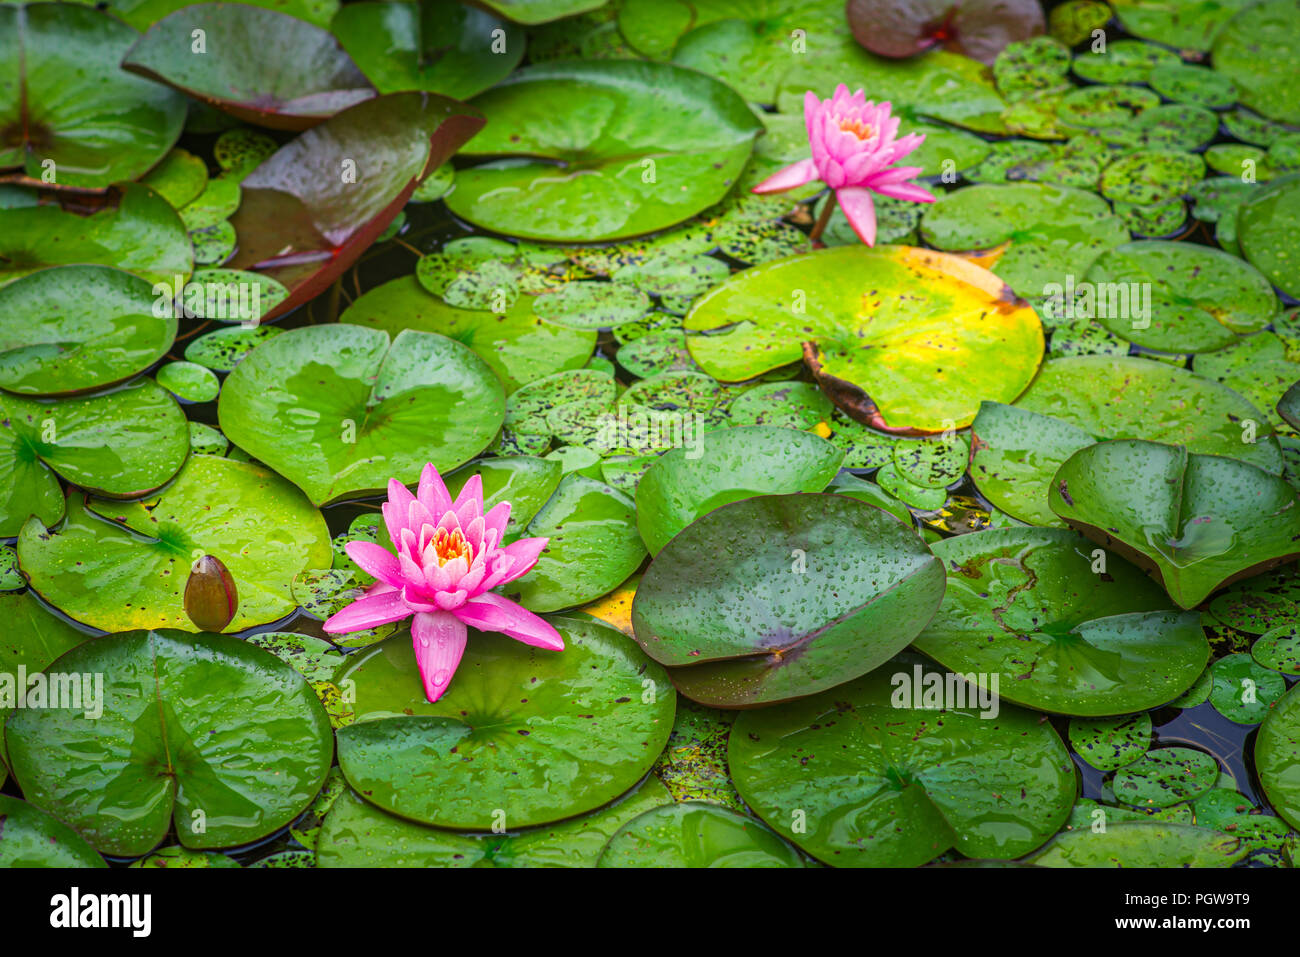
x=449 y=558
x=854 y=146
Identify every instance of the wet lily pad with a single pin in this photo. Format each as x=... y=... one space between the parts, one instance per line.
x=141 y=235
x=526 y=482
x=179 y=178
x=1196 y=522
x=1244 y=692
x=1052 y=231
x=341 y=409
x=77 y=328
x=1277 y=755
x=469 y=50
x=1165 y=776
x=224 y=349
x=670 y=142
x=357 y=834
x=694 y=834
x=1060 y=627
x=594 y=546
x=31 y=838
x=1178 y=297
x=915 y=362
x=592 y=305
x=123 y=444
x=226 y=768
x=845 y=587
x=923 y=781
x=522 y=736
x=1109 y=744
x=1184 y=83
x=1134 y=844
x=1267 y=224
x=304 y=229
x=519 y=346
x=261 y=527
x=70 y=110
x=1151 y=176
x=1279 y=649
x=33 y=637
x=189 y=381
x=1258 y=50
x=1122 y=61
x=244 y=74
x=730 y=465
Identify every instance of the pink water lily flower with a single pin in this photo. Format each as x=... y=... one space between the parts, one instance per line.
x=854 y=146
x=449 y=558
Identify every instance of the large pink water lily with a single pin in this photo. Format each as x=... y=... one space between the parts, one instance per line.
x=855 y=145
x=449 y=558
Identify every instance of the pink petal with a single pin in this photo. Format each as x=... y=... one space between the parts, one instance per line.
x=368 y=612
x=474 y=533
x=490 y=612
x=895 y=174
x=792 y=176
x=860 y=211
x=907 y=191
x=812 y=106
x=376 y=560
x=525 y=552
x=399 y=495
x=394 y=521
x=449 y=600
x=432 y=491
x=501 y=568
x=439 y=641
x=472 y=492
x=497 y=519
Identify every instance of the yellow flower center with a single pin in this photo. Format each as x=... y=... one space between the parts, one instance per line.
x=451 y=545
x=861 y=130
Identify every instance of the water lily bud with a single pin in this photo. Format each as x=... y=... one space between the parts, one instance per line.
x=210 y=594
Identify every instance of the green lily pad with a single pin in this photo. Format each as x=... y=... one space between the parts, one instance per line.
x=217 y=203
x=1122 y=61
x=845 y=587
x=123 y=565
x=1268 y=224
x=656 y=353
x=1135 y=844
x=519 y=346
x=1184 y=83
x=141 y=235
x=1109 y=744
x=142 y=14
x=686 y=484
x=385 y=39
x=918 y=782
x=341 y=409
x=1151 y=176
x=522 y=736
x=1244 y=692
x=304 y=229
x=1279 y=649
x=594 y=546
x=1165 y=776
x=1277 y=756
x=694 y=834
x=1258 y=50
x=1059 y=627
x=671 y=143
x=214 y=244
x=532 y=12
x=33 y=637
x=357 y=834
x=76 y=328
x=1017 y=450
x=244 y=76
x=180 y=177
x=1053 y=231
x=70 y=111
x=587 y=304
x=31 y=838
x=787 y=405
x=183 y=858
x=1180 y=297
x=228 y=768
x=189 y=381
x=1198 y=522
x=123 y=444
x=240 y=151
x=10 y=577
x=914 y=362
x=528 y=409
x=1073 y=21
x=1186 y=26
x=224 y=349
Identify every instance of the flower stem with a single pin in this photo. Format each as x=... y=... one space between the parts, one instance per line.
x=819 y=227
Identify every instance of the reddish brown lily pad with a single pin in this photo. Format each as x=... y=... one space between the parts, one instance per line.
x=976 y=28
x=259 y=65
x=312 y=207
